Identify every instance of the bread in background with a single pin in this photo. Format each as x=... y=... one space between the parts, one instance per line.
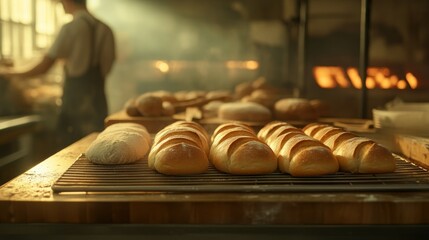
x=295 y=109
x=244 y=111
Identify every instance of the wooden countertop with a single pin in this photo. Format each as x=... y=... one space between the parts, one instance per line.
x=29 y=199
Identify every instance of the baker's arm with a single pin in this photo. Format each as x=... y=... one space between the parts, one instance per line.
x=41 y=68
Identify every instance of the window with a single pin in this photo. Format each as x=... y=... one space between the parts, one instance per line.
x=28 y=26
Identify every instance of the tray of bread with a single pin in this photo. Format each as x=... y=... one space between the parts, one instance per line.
x=183 y=157
x=255 y=103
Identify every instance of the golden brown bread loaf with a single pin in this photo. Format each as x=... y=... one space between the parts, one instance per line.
x=149 y=106
x=181 y=148
x=131 y=108
x=237 y=150
x=120 y=143
x=355 y=154
x=244 y=111
x=294 y=109
x=298 y=154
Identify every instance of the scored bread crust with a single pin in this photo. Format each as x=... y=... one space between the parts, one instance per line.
x=237 y=150
x=355 y=154
x=181 y=148
x=298 y=154
x=181 y=159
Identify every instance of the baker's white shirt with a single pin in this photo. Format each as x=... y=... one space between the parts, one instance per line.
x=73 y=44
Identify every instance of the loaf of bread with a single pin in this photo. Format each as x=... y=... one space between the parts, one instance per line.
x=131 y=108
x=355 y=154
x=298 y=154
x=120 y=143
x=265 y=97
x=211 y=109
x=244 y=111
x=149 y=105
x=236 y=149
x=294 y=109
x=180 y=148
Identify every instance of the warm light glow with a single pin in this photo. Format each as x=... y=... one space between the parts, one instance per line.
x=412 y=80
x=330 y=77
x=377 y=77
x=370 y=83
x=401 y=84
x=19 y=11
x=354 y=77
x=394 y=80
x=373 y=71
x=162 y=66
x=340 y=77
x=4 y=9
x=251 y=65
x=26 y=11
x=385 y=84
x=323 y=77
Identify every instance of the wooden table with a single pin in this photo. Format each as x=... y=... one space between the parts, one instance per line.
x=29 y=199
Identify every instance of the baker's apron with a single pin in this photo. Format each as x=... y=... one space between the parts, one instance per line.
x=84 y=104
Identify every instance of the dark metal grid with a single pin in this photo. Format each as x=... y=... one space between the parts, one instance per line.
x=84 y=176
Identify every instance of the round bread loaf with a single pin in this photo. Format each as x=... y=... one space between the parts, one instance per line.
x=149 y=106
x=131 y=108
x=243 y=89
x=168 y=109
x=322 y=108
x=244 y=111
x=294 y=109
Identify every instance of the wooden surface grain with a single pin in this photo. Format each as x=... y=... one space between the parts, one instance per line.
x=415 y=148
x=29 y=199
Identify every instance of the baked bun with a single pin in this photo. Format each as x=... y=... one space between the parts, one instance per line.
x=236 y=150
x=244 y=111
x=211 y=109
x=355 y=154
x=298 y=154
x=294 y=109
x=131 y=108
x=264 y=97
x=243 y=89
x=181 y=148
x=120 y=143
x=149 y=106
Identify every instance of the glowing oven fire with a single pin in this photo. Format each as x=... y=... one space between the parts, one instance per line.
x=377 y=77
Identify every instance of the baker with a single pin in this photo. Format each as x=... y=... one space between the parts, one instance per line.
x=87 y=46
